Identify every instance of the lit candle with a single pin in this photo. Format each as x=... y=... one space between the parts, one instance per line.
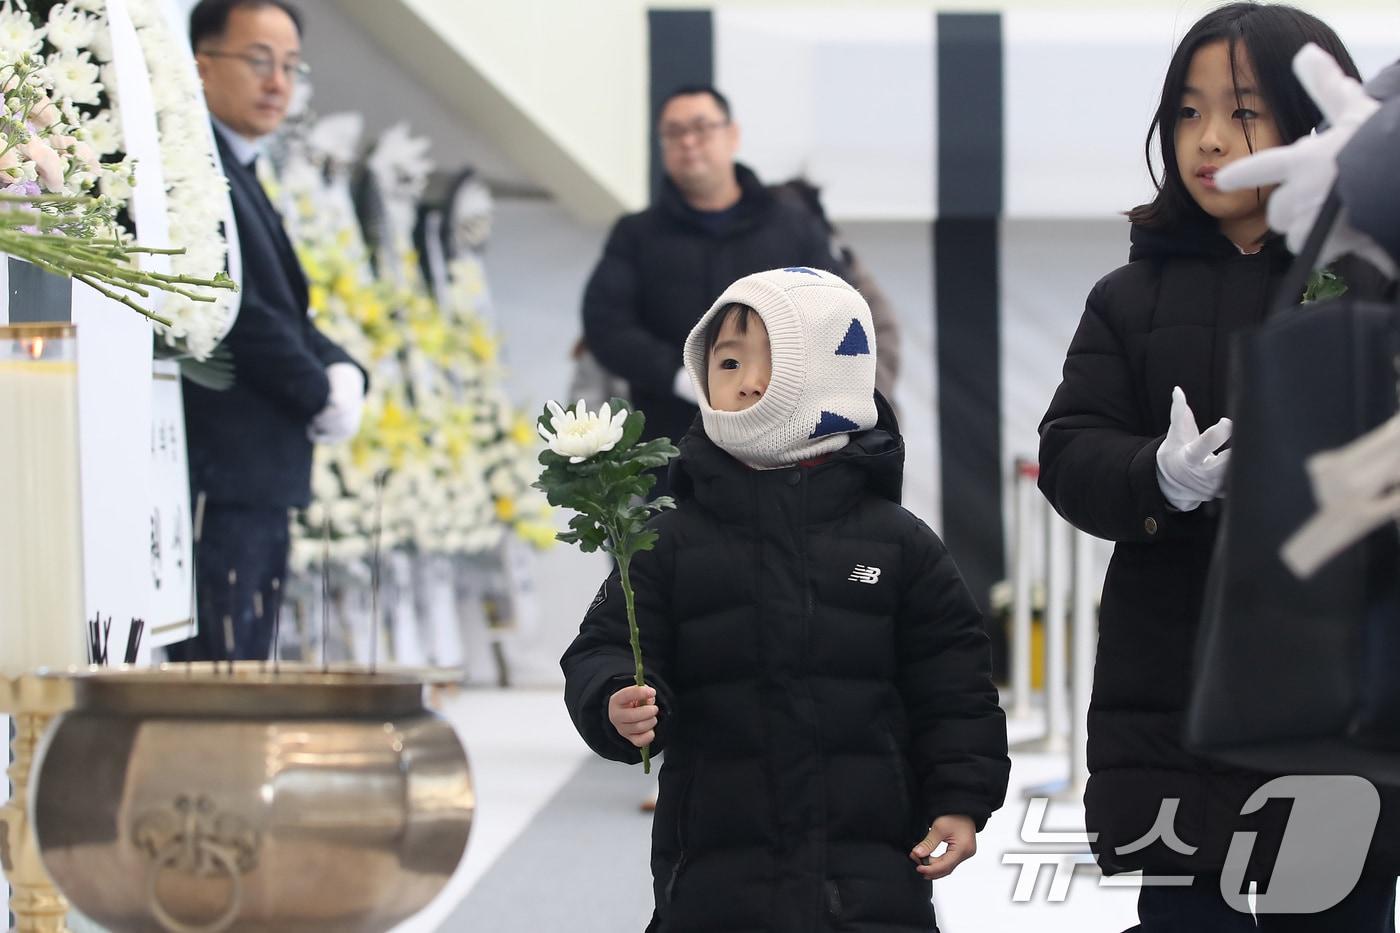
x=41 y=572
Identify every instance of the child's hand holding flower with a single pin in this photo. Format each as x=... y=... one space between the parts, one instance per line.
x=633 y=713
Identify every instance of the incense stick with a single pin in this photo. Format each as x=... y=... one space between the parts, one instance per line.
x=276 y=626
x=229 y=645
x=374 y=572
x=325 y=590
x=133 y=640
x=257 y=624
x=194 y=583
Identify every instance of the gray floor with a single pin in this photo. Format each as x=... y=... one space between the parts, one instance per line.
x=580 y=865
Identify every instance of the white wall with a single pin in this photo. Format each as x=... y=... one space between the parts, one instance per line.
x=537 y=263
x=848 y=96
x=845 y=97
x=900 y=257
x=843 y=91
x=579 y=68
x=351 y=72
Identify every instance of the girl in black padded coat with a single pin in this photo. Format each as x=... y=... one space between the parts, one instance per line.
x=1121 y=457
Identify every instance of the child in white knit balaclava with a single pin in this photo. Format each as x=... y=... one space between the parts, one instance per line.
x=816 y=672
x=784 y=367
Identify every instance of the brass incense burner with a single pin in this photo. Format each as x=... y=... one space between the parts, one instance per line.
x=203 y=798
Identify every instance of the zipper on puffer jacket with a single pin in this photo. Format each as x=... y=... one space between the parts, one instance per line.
x=682 y=817
x=675 y=876
x=897 y=762
x=833 y=900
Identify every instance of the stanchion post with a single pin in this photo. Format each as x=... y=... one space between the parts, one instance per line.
x=1085 y=639
x=1056 y=622
x=1026 y=501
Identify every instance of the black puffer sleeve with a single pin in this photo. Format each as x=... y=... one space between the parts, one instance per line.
x=1096 y=467
x=958 y=730
x=599 y=661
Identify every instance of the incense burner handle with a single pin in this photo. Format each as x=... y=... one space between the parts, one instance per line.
x=194 y=840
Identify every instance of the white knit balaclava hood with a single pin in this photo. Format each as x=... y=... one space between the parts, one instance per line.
x=823 y=383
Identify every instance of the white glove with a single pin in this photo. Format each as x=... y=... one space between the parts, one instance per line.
x=684 y=388
x=1188 y=468
x=1305 y=170
x=340 y=419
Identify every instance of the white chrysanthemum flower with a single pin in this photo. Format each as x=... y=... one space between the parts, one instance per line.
x=101 y=45
x=580 y=434
x=303 y=556
x=202 y=259
x=18 y=34
x=75 y=77
x=108 y=73
x=168 y=98
x=115 y=185
x=345 y=516
x=69 y=29
x=348 y=550
x=102 y=135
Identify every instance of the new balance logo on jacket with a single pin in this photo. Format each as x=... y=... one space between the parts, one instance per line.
x=864 y=574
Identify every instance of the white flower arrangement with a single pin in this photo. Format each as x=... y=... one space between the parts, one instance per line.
x=48 y=145
x=456 y=457
x=195 y=187
x=57 y=193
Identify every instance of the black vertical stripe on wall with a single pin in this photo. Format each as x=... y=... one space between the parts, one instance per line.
x=967 y=296
x=682 y=51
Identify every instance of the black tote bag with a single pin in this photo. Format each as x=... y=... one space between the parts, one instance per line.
x=1298 y=676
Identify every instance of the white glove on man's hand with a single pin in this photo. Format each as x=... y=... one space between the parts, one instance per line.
x=683 y=387
x=340 y=419
x=1305 y=170
x=1188 y=468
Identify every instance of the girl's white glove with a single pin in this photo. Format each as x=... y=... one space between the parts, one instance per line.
x=1189 y=470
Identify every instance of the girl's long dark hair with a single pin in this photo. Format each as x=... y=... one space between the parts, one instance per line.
x=1271 y=35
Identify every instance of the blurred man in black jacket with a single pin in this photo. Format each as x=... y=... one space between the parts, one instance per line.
x=712 y=222
x=250 y=446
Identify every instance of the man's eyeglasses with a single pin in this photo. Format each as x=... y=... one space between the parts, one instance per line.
x=674 y=134
x=264 y=66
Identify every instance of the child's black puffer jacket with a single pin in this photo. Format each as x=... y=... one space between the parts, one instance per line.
x=824 y=683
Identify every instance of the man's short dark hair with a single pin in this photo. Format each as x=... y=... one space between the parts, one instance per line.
x=209 y=18
x=687 y=90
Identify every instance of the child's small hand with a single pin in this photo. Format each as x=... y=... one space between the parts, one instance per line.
x=959 y=832
x=632 y=711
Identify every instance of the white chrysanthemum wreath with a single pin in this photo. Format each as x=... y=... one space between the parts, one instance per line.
x=196 y=199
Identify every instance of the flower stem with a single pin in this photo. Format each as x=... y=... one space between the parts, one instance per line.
x=623 y=563
x=92 y=283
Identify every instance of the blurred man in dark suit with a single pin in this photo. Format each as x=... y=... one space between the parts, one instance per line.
x=250 y=446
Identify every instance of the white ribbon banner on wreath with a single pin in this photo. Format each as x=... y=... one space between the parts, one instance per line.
x=140 y=139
